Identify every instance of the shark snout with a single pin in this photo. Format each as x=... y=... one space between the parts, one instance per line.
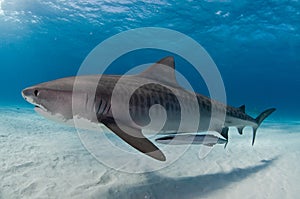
x=30 y=93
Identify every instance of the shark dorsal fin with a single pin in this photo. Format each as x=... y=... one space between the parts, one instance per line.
x=162 y=71
x=242 y=108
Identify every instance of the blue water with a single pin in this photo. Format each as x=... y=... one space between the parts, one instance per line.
x=255 y=44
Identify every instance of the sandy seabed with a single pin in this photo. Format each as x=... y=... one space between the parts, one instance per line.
x=42 y=159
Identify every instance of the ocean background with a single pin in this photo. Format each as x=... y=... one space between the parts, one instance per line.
x=255 y=45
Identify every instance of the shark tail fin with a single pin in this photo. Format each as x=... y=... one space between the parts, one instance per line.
x=260 y=119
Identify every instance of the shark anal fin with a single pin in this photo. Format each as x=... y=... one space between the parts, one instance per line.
x=135 y=139
x=240 y=130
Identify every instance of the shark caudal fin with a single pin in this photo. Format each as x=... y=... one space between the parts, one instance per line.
x=260 y=119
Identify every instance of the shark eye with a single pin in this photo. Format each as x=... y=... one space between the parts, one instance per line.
x=36 y=93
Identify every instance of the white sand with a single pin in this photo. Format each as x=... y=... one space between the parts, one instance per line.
x=42 y=159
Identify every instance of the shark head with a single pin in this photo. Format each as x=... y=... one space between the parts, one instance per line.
x=52 y=99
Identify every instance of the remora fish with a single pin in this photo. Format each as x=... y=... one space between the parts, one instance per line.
x=55 y=100
x=208 y=140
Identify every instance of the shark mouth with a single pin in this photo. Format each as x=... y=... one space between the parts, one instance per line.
x=36 y=106
x=39 y=108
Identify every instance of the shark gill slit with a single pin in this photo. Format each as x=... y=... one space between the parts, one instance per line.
x=86 y=101
x=93 y=107
x=108 y=109
x=98 y=110
x=104 y=107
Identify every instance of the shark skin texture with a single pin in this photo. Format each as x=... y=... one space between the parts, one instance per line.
x=55 y=100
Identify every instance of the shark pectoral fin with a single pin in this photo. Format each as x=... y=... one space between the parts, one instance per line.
x=135 y=139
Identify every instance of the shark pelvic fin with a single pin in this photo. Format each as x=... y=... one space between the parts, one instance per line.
x=260 y=119
x=135 y=139
x=162 y=71
x=224 y=133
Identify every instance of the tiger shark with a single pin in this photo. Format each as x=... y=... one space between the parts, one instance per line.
x=56 y=101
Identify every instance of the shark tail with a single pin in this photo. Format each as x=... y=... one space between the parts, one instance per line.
x=260 y=119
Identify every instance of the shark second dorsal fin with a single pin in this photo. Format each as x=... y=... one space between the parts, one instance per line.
x=243 y=108
x=162 y=71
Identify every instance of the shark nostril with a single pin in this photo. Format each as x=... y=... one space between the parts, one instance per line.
x=36 y=93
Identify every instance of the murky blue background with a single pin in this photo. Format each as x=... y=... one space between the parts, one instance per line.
x=255 y=44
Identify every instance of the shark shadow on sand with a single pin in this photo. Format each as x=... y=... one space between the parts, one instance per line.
x=186 y=187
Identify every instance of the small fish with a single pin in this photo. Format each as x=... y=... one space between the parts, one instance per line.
x=205 y=139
